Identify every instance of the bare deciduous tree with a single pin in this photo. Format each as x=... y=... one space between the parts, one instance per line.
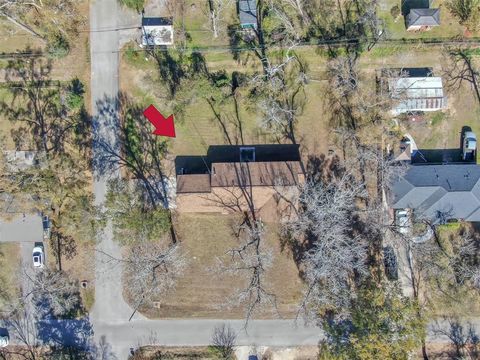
x=223 y=340
x=151 y=270
x=459 y=68
x=54 y=293
x=332 y=255
x=281 y=90
x=21 y=326
x=217 y=10
x=465 y=341
x=250 y=261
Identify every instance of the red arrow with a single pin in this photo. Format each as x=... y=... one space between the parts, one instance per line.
x=163 y=127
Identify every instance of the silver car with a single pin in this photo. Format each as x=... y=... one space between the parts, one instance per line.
x=403 y=221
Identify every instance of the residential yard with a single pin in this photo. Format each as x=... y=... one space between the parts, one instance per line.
x=436 y=130
x=81 y=267
x=74 y=65
x=177 y=353
x=202 y=292
x=9 y=272
x=449 y=26
x=197 y=128
x=452 y=301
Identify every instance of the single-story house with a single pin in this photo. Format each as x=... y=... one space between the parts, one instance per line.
x=422 y=19
x=236 y=178
x=247 y=12
x=157 y=31
x=417 y=90
x=439 y=192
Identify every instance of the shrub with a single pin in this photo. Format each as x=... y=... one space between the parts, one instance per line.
x=75 y=94
x=395 y=11
x=58 y=46
x=133 y=4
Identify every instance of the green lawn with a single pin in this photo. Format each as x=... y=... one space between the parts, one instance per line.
x=197 y=24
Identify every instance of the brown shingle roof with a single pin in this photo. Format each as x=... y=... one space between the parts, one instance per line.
x=193 y=183
x=255 y=173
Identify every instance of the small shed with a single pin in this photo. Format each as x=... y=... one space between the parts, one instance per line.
x=422 y=19
x=157 y=31
x=247 y=12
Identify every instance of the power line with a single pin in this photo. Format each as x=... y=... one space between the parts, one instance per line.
x=301 y=44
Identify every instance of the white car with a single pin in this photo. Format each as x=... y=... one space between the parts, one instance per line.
x=4 y=340
x=403 y=221
x=38 y=257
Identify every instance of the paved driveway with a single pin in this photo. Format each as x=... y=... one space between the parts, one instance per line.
x=22 y=228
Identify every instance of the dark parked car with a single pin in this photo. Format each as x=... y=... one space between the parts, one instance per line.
x=46 y=227
x=390 y=262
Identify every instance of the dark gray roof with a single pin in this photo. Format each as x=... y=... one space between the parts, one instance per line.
x=247 y=10
x=156 y=21
x=423 y=17
x=430 y=189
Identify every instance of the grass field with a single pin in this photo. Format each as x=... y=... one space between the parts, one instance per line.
x=198 y=128
x=9 y=272
x=203 y=293
x=13 y=38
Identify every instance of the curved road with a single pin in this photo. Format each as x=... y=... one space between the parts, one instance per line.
x=110 y=314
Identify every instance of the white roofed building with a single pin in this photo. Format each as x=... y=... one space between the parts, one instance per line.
x=417 y=94
x=157 y=31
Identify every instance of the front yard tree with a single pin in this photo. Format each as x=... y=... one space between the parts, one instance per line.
x=132 y=217
x=467 y=12
x=151 y=270
x=21 y=325
x=250 y=261
x=333 y=256
x=217 y=10
x=223 y=341
x=54 y=293
x=382 y=324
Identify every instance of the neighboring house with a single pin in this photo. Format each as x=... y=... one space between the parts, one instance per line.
x=415 y=90
x=439 y=185
x=239 y=178
x=422 y=19
x=157 y=31
x=439 y=192
x=247 y=12
x=21 y=160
